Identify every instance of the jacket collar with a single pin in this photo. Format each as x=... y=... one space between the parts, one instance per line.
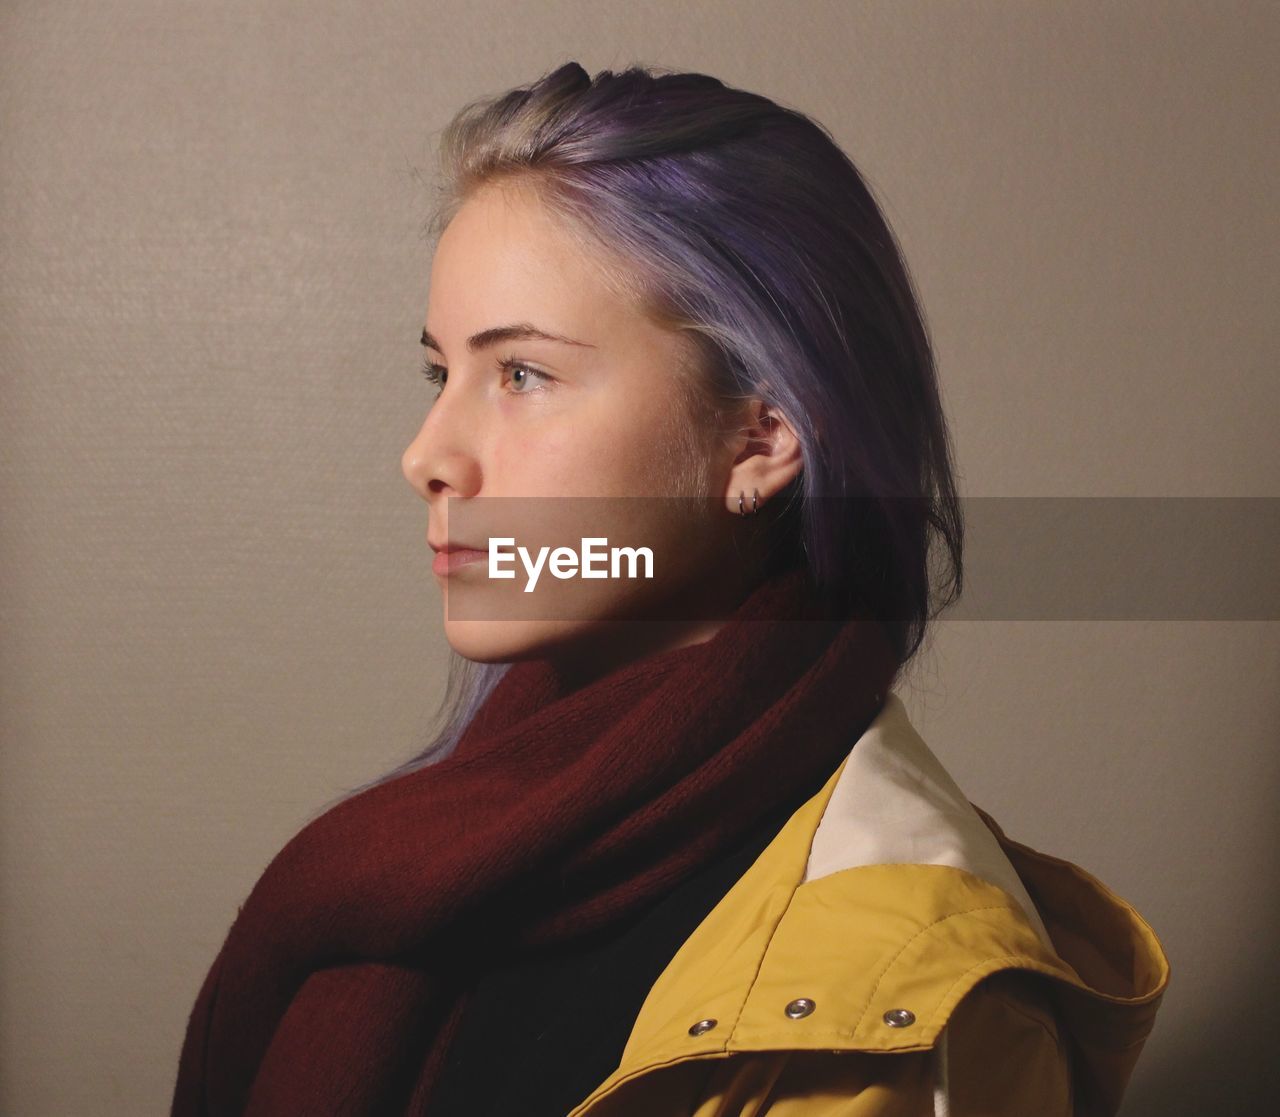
x=882 y=901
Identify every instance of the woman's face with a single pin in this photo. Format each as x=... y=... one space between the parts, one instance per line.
x=524 y=427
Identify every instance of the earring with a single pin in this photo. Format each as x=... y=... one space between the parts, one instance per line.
x=755 y=502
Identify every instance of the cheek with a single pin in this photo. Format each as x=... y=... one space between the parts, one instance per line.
x=588 y=456
x=555 y=459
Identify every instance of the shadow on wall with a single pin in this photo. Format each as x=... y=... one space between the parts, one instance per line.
x=1225 y=1056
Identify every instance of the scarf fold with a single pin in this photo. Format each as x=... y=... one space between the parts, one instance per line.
x=561 y=814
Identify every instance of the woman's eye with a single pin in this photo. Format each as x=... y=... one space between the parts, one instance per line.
x=435 y=374
x=518 y=373
x=527 y=373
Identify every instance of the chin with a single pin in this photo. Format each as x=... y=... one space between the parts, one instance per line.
x=505 y=641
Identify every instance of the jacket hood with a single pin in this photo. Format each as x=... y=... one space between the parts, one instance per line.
x=883 y=901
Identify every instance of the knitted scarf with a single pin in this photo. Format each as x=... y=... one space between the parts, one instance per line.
x=561 y=814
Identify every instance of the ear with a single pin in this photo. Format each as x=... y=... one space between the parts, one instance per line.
x=769 y=459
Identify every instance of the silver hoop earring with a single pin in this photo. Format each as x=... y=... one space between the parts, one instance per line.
x=755 y=502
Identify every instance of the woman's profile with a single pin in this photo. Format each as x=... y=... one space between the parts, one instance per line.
x=677 y=849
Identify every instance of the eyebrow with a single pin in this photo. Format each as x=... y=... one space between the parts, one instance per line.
x=519 y=331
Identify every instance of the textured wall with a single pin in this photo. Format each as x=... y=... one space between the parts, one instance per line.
x=216 y=604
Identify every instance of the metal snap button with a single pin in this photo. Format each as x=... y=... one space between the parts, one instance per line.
x=801 y=1006
x=702 y=1026
x=899 y=1018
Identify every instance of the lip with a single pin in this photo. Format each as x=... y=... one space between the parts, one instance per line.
x=452 y=556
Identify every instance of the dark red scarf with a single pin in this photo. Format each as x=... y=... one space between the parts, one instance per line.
x=560 y=814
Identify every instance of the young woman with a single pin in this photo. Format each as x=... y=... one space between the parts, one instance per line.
x=678 y=849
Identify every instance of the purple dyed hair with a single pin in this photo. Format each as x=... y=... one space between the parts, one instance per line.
x=743 y=223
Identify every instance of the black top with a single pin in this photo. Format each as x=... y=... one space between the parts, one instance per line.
x=536 y=1038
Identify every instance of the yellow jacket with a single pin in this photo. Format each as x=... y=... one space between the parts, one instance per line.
x=891 y=952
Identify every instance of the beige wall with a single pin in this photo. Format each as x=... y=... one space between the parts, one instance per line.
x=216 y=606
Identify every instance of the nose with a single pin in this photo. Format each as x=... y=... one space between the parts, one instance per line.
x=436 y=463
